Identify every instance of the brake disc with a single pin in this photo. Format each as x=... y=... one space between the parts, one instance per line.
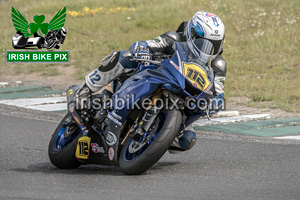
x=135 y=145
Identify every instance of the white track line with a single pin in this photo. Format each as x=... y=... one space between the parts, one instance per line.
x=4 y=84
x=49 y=107
x=33 y=101
x=291 y=137
x=227 y=113
x=43 y=104
x=226 y=120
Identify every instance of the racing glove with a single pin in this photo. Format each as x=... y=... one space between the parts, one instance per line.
x=141 y=52
x=217 y=104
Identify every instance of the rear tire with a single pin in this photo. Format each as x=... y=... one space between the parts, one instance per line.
x=64 y=158
x=156 y=149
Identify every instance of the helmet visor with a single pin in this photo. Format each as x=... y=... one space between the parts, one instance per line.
x=217 y=44
x=204 y=48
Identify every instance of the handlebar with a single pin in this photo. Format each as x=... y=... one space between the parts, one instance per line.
x=157 y=57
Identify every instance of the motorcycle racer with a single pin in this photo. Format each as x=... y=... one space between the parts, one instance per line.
x=203 y=26
x=54 y=37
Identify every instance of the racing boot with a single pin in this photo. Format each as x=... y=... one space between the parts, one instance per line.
x=183 y=142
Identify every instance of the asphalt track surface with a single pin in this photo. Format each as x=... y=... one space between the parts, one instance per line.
x=218 y=167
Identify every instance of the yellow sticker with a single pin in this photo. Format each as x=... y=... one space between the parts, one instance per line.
x=83 y=148
x=69 y=92
x=196 y=75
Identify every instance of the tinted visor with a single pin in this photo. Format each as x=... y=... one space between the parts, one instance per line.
x=204 y=49
x=217 y=44
x=204 y=46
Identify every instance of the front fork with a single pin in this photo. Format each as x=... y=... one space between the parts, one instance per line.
x=83 y=144
x=143 y=123
x=80 y=122
x=71 y=92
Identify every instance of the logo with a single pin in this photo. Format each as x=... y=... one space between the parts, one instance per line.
x=69 y=92
x=111 y=139
x=96 y=148
x=216 y=34
x=111 y=153
x=174 y=65
x=157 y=39
x=38 y=35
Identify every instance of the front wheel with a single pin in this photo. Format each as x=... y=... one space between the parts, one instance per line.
x=136 y=157
x=63 y=143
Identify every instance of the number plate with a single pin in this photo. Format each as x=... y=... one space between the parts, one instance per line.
x=196 y=75
x=83 y=148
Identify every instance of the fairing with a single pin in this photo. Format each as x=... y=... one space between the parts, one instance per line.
x=170 y=75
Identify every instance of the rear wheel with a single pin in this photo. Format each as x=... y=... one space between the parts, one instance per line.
x=138 y=154
x=63 y=144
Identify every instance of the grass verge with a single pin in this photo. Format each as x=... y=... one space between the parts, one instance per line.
x=261 y=46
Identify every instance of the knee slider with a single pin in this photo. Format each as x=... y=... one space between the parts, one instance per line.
x=109 y=62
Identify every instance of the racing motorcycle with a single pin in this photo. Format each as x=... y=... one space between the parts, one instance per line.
x=135 y=139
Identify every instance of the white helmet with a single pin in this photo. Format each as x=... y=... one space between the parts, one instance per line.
x=205 y=33
x=64 y=31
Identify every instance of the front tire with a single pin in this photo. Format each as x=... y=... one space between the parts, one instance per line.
x=134 y=165
x=62 y=146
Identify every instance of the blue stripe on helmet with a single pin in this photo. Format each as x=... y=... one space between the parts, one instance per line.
x=199 y=29
x=215 y=21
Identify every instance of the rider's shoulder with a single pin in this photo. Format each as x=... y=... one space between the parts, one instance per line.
x=172 y=35
x=181 y=27
x=219 y=66
x=176 y=35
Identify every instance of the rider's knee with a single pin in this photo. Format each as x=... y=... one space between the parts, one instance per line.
x=109 y=62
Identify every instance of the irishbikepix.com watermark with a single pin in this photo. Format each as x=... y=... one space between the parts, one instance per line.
x=130 y=103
